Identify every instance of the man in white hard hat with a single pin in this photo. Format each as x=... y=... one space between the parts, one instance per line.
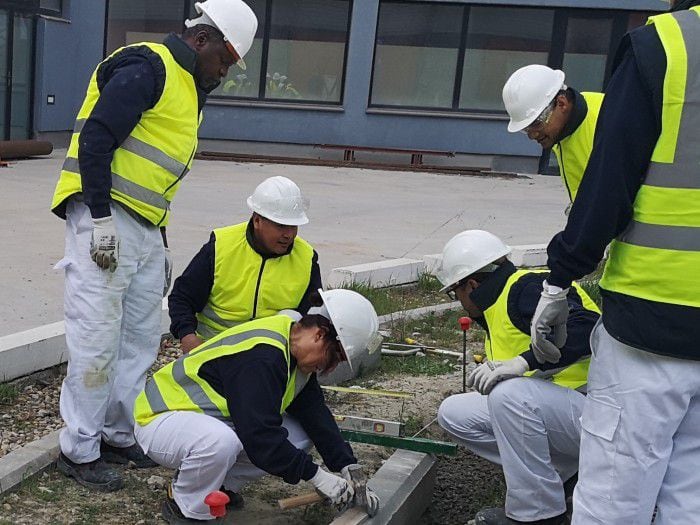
x=640 y=446
x=247 y=403
x=555 y=116
x=133 y=141
x=249 y=270
x=523 y=415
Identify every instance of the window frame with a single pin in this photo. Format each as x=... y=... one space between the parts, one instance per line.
x=555 y=57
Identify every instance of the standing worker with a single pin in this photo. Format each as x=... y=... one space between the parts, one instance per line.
x=555 y=116
x=529 y=425
x=247 y=403
x=133 y=142
x=639 y=445
x=250 y=270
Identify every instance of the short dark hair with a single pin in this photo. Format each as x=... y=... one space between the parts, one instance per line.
x=330 y=335
x=212 y=32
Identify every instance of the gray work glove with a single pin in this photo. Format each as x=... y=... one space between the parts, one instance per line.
x=334 y=488
x=364 y=496
x=104 y=245
x=168 y=271
x=487 y=375
x=550 y=316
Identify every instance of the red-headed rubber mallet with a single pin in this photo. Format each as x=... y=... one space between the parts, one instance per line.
x=464 y=324
x=217 y=501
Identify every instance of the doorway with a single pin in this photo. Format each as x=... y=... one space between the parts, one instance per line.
x=16 y=74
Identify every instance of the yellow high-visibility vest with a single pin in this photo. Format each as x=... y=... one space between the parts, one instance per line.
x=177 y=386
x=248 y=286
x=505 y=341
x=148 y=166
x=657 y=257
x=574 y=151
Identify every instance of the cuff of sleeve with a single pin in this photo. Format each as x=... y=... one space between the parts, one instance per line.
x=557 y=278
x=309 y=471
x=100 y=211
x=185 y=330
x=530 y=359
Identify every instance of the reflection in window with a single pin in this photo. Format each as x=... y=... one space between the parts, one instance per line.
x=132 y=21
x=416 y=55
x=240 y=83
x=586 y=52
x=306 y=54
x=500 y=41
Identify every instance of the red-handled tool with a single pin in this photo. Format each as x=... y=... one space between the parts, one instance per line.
x=464 y=324
x=217 y=501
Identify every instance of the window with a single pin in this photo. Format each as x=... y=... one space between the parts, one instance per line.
x=302 y=59
x=53 y=6
x=415 y=60
x=457 y=57
x=500 y=41
x=131 y=21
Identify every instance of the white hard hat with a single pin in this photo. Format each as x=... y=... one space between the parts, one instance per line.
x=234 y=18
x=355 y=320
x=528 y=92
x=467 y=253
x=280 y=200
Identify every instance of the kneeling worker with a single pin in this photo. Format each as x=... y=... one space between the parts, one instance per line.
x=247 y=402
x=529 y=425
x=249 y=270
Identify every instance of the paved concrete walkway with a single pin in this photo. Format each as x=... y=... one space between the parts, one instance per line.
x=357 y=216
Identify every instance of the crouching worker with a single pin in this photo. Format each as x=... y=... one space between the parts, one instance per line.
x=247 y=402
x=529 y=424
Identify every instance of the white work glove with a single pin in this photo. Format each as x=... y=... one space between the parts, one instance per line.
x=487 y=375
x=365 y=497
x=334 y=488
x=168 y=271
x=104 y=246
x=551 y=313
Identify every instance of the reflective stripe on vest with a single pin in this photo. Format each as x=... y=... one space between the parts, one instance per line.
x=505 y=341
x=148 y=166
x=178 y=386
x=658 y=255
x=574 y=151
x=246 y=286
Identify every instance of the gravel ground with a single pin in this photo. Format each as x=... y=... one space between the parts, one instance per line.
x=465 y=482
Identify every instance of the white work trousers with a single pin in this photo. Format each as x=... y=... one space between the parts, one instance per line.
x=529 y=426
x=112 y=325
x=640 y=439
x=207 y=453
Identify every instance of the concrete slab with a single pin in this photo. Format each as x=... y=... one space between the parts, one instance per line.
x=377 y=274
x=28 y=460
x=357 y=216
x=529 y=255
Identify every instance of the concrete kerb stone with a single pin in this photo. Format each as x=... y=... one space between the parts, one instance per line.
x=377 y=274
x=27 y=461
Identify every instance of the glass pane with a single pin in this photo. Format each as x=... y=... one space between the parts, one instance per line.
x=306 y=56
x=500 y=41
x=586 y=52
x=22 y=51
x=416 y=55
x=4 y=35
x=239 y=83
x=131 y=21
x=52 y=5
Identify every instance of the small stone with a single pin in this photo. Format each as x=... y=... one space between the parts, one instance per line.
x=420 y=354
x=45 y=490
x=156 y=482
x=7 y=507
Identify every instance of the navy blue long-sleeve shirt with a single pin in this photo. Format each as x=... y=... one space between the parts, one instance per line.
x=523 y=297
x=628 y=129
x=253 y=383
x=130 y=83
x=191 y=290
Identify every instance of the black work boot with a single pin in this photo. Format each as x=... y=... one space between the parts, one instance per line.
x=123 y=456
x=172 y=514
x=96 y=475
x=497 y=516
x=236 y=501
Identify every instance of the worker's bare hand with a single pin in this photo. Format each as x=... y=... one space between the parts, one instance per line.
x=190 y=342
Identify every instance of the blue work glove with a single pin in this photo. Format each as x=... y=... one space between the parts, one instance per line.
x=550 y=317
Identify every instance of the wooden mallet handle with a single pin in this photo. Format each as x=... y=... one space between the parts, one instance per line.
x=299 y=501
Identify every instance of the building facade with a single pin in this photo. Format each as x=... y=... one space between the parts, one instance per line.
x=381 y=73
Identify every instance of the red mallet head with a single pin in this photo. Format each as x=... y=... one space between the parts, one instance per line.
x=217 y=501
x=465 y=323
